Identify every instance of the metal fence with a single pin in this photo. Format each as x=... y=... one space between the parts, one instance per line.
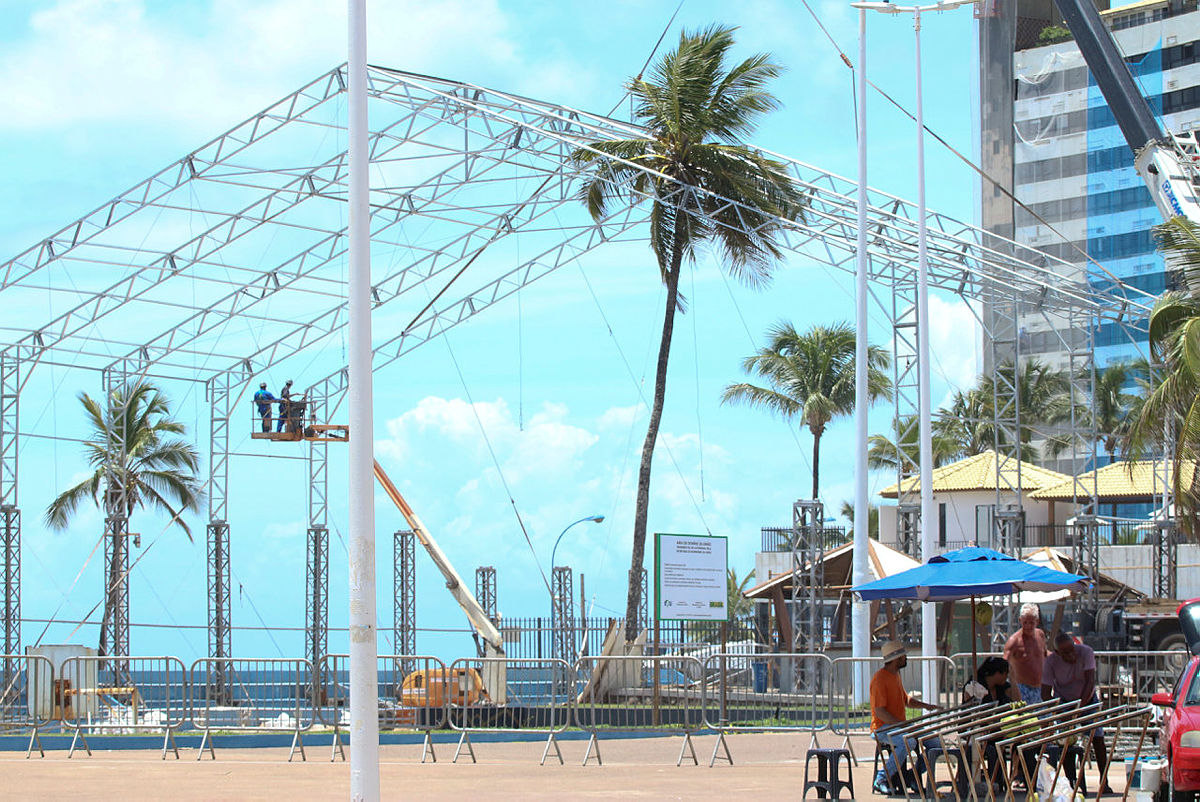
x=97 y=694
x=413 y=691
x=726 y=691
x=632 y=692
x=539 y=695
x=779 y=538
x=257 y=695
x=29 y=698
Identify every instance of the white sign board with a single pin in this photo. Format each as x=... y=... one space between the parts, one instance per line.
x=690 y=577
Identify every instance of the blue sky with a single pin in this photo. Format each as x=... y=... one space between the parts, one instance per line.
x=97 y=94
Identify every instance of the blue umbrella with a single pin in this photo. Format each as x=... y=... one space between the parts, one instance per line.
x=967 y=574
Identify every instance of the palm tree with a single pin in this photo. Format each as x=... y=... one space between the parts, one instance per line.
x=901 y=452
x=966 y=427
x=1113 y=404
x=1170 y=414
x=847 y=512
x=137 y=460
x=810 y=375
x=703 y=184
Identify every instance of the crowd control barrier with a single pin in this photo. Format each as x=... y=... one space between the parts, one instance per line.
x=252 y=695
x=635 y=692
x=770 y=692
x=413 y=693
x=29 y=697
x=122 y=696
x=537 y=696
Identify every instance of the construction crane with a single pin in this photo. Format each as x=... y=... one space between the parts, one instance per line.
x=488 y=639
x=1166 y=162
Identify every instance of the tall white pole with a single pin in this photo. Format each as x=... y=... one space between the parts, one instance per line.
x=364 y=700
x=861 y=624
x=929 y=518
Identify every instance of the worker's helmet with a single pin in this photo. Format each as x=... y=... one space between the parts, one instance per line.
x=262 y=385
x=289 y=381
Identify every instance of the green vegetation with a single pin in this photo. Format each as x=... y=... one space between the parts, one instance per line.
x=1053 y=34
x=697 y=111
x=138 y=458
x=810 y=376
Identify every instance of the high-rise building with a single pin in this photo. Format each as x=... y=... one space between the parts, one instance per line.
x=1048 y=136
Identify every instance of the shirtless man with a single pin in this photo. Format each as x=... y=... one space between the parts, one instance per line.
x=1026 y=653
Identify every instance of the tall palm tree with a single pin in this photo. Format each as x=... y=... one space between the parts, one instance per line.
x=137 y=460
x=703 y=185
x=810 y=376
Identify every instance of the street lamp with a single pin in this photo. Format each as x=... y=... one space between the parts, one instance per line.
x=928 y=512
x=553 y=599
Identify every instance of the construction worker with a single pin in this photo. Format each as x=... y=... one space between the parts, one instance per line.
x=285 y=405
x=264 y=399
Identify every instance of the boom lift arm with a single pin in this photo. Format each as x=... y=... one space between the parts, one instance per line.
x=1166 y=163
x=494 y=674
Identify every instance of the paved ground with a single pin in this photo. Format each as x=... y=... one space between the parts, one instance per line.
x=633 y=768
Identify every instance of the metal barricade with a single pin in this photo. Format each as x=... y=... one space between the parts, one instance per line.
x=138 y=694
x=850 y=717
x=770 y=692
x=29 y=697
x=622 y=693
x=537 y=699
x=413 y=693
x=252 y=695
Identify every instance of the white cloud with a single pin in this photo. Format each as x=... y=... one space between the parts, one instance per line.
x=953 y=337
x=97 y=61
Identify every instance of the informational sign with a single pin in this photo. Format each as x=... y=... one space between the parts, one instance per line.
x=690 y=577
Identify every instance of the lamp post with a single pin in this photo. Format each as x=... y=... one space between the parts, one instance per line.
x=928 y=511
x=553 y=599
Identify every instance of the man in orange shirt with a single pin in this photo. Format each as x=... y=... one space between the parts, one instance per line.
x=889 y=707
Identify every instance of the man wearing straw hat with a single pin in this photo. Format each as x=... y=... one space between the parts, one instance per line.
x=889 y=707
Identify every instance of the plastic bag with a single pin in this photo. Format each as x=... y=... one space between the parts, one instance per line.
x=1049 y=788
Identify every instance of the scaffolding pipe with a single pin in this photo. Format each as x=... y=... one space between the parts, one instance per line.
x=364 y=699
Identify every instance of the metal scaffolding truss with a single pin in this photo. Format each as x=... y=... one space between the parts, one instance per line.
x=485 y=591
x=232 y=259
x=404 y=594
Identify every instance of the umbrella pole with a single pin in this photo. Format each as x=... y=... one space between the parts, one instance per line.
x=974 y=642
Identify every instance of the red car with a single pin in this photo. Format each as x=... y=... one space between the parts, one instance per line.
x=1180 y=734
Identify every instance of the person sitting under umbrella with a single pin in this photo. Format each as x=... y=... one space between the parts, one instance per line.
x=889 y=707
x=991 y=686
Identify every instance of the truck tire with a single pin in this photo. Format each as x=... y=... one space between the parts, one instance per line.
x=1177 y=644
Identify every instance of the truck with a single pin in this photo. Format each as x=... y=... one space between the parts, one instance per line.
x=465 y=687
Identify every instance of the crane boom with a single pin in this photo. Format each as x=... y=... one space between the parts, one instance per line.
x=1166 y=163
x=493 y=641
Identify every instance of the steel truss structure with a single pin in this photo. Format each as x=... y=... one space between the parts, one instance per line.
x=485 y=591
x=562 y=634
x=404 y=593
x=231 y=261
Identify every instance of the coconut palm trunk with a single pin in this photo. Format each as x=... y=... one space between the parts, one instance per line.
x=632 y=600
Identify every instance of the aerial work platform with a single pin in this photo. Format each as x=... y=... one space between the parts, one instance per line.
x=292 y=413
